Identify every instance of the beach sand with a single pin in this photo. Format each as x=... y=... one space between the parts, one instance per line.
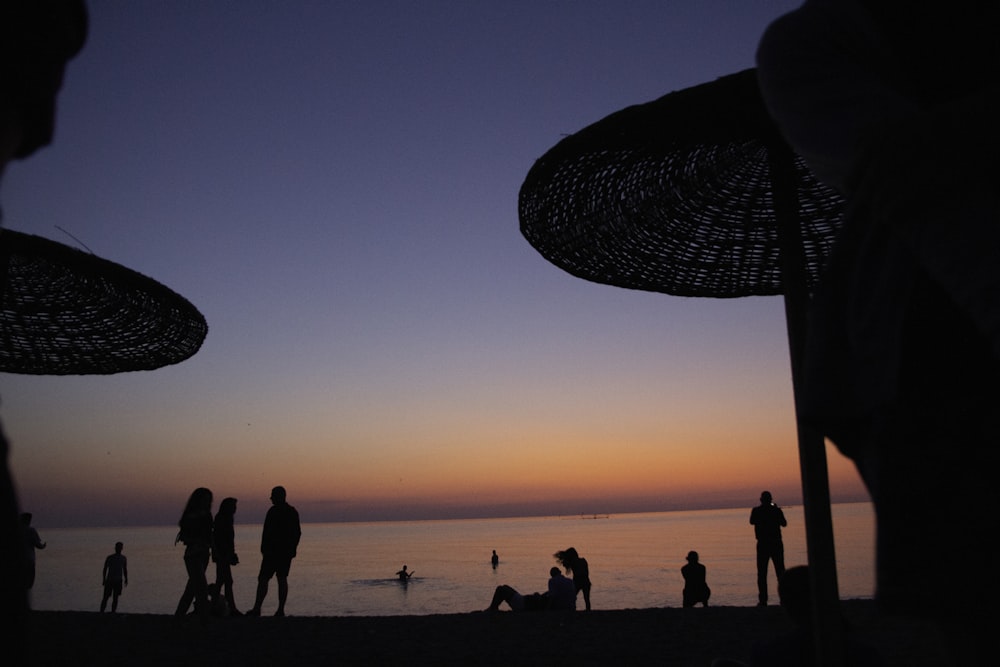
x=669 y=636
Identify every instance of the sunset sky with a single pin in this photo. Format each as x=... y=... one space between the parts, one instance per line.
x=334 y=185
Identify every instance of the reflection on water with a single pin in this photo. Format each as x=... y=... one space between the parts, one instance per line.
x=348 y=568
x=395 y=581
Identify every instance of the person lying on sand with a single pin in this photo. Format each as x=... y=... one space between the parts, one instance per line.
x=561 y=594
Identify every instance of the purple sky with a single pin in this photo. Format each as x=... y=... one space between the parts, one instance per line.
x=334 y=185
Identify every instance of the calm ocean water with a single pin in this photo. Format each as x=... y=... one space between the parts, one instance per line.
x=347 y=569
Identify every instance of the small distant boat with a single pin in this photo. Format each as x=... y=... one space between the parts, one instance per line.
x=595 y=516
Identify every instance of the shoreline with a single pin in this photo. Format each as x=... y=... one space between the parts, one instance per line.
x=664 y=636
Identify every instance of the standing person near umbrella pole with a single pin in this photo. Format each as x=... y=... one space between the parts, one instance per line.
x=767 y=520
x=903 y=345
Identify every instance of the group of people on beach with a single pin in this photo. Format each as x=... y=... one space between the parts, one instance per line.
x=213 y=538
x=206 y=537
x=767 y=519
x=561 y=592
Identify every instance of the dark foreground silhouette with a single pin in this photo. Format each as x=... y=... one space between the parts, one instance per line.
x=671 y=636
x=797 y=648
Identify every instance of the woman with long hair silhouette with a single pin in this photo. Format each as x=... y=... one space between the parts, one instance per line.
x=196 y=534
x=224 y=551
x=571 y=561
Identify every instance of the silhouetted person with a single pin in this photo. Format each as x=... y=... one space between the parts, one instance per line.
x=37 y=39
x=560 y=595
x=504 y=593
x=196 y=534
x=494 y=559
x=768 y=520
x=224 y=552
x=571 y=560
x=31 y=542
x=114 y=576
x=695 y=587
x=895 y=105
x=403 y=575
x=278 y=545
x=562 y=591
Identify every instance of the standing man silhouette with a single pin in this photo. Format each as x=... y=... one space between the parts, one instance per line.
x=115 y=575
x=278 y=544
x=767 y=520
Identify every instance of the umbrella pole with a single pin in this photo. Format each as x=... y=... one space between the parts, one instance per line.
x=827 y=625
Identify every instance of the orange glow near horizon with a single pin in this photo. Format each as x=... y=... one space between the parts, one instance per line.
x=445 y=476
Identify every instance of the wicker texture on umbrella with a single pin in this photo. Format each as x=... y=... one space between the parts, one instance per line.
x=675 y=196
x=67 y=312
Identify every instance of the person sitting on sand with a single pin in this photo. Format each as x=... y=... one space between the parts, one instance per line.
x=403 y=575
x=562 y=591
x=695 y=588
x=561 y=595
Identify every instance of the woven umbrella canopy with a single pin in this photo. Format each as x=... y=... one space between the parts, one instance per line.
x=67 y=312
x=696 y=194
x=676 y=196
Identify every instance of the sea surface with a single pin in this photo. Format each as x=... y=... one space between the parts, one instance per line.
x=348 y=569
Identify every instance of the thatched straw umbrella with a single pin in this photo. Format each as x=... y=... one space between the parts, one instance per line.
x=67 y=312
